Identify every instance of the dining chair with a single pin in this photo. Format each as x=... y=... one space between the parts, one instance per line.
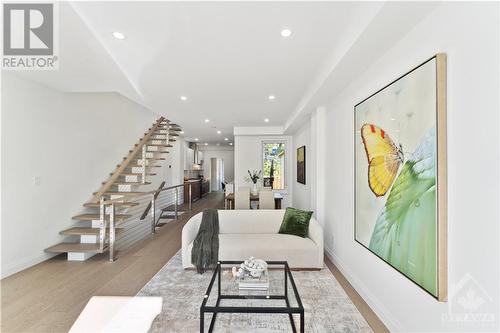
x=229 y=188
x=242 y=198
x=266 y=199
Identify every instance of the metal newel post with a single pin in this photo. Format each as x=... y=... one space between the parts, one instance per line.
x=176 y=203
x=190 y=185
x=168 y=132
x=153 y=215
x=144 y=149
x=112 y=233
x=102 y=224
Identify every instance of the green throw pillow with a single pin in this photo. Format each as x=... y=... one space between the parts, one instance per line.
x=295 y=222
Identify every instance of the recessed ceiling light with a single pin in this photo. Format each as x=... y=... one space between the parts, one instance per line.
x=118 y=35
x=266 y=120
x=286 y=33
x=219 y=132
x=206 y=144
x=230 y=143
x=184 y=98
x=225 y=139
x=207 y=120
x=271 y=97
x=195 y=139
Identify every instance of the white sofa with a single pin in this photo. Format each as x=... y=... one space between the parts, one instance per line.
x=246 y=233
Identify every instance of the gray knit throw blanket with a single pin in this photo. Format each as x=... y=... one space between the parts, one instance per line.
x=205 y=252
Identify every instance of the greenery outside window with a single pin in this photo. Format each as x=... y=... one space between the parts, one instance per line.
x=273 y=169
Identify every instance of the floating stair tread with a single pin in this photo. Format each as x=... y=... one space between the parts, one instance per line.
x=140 y=166
x=137 y=174
x=152 y=159
x=159 y=145
x=75 y=247
x=149 y=158
x=169 y=124
x=120 y=182
x=93 y=217
x=150 y=142
x=77 y=231
x=119 y=193
x=130 y=183
x=118 y=204
x=158 y=151
x=170 y=131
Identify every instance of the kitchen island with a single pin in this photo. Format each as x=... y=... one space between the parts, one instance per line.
x=199 y=188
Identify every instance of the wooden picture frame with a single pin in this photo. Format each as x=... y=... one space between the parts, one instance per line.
x=301 y=165
x=408 y=118
x=266 y=182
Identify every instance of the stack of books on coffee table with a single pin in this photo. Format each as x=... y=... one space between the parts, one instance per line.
x=249 y=282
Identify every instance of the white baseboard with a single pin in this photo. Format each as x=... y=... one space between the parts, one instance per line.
x=375 y=304
x=12 y=269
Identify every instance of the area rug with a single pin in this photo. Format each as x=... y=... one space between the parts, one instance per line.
x=327 y=306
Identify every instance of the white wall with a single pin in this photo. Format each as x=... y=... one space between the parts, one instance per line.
x=468 y=33
x=248 y=156
x=173 y=173
x=302 y=193
x=226 y=153
x=71 y=141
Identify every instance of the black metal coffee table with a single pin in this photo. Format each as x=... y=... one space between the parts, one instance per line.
x=226 y=297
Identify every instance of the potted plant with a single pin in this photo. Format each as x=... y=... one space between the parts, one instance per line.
x=254 y=178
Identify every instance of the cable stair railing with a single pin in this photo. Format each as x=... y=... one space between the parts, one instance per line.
x=118 y=193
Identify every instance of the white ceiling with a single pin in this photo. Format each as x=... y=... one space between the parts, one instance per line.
x=226 y=57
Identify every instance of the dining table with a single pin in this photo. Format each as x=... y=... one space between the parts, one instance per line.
x=229 y=200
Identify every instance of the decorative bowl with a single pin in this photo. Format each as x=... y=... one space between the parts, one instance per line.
x=254 y=266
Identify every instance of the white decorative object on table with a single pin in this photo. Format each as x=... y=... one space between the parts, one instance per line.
x=254 y=266
x=254 y=177
x=255 y=189
x=234 y=271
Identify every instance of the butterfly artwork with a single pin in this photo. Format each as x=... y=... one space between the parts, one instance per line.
x=400 y=198
x=384 y=158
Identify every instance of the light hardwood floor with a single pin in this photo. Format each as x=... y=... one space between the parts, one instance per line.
x=49 y=296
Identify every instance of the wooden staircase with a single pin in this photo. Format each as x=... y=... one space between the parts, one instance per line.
x=133 y=172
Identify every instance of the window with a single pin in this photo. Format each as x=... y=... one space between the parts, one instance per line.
x=273 y=165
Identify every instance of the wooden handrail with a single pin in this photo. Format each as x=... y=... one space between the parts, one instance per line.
x=119 y=169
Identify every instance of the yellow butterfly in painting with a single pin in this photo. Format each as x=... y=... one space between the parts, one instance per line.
x=384 y=158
